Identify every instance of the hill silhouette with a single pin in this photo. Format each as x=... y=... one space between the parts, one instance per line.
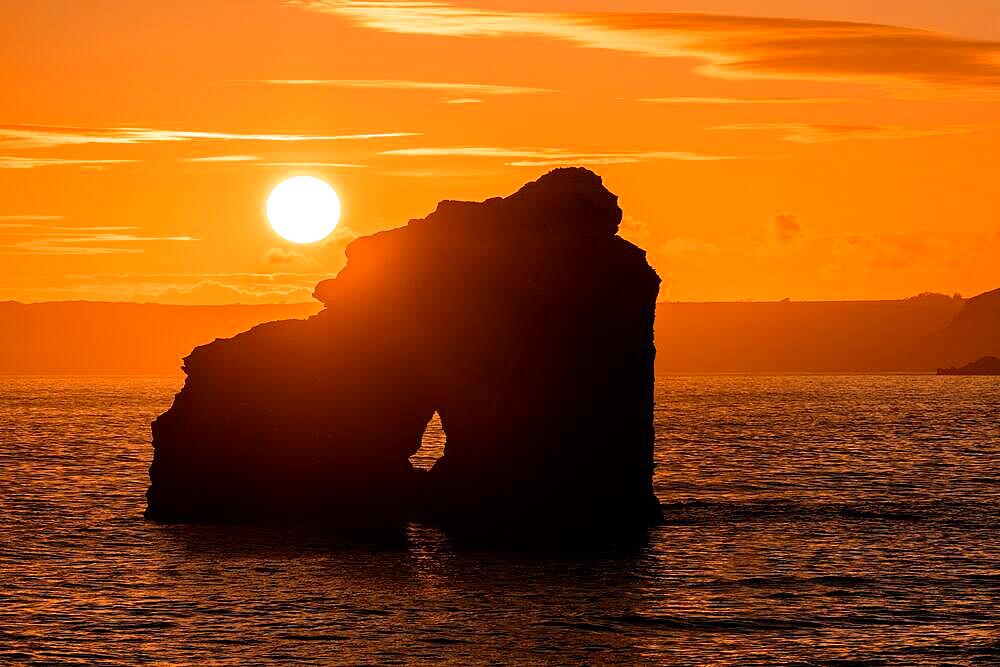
x=86 y=337
x=815 y=337
x=974 y=332
x=918 y=334
x=984 y=366
x=525 y=322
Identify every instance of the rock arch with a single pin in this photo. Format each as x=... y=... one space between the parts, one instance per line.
x=525 y=322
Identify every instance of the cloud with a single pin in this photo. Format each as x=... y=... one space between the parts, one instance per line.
x=12 y=162
x=634 y=230
x=465 y=172
x=224 y=158
x=684 y=255
x=328 y=253
x=262 y=162
x=727 y=46
x=463 y=100
x=473 y=151
x=906 y=250
x=33 y=239
x=39 y=136
x=469 y=89
x=284 y=256
x=806 y=133
x=553 y=157
x=332 y=165
x=178 y=288
x=213 y=292
x=31 y=217
x=840 y=265
x=744 y=100
x=786 y=228
x=622 y=158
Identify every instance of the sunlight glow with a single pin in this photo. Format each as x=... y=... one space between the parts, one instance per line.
x=303 y=209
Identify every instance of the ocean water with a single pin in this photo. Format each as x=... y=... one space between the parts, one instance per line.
x=810 y=520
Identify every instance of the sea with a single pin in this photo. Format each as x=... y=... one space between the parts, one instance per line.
x=809 y=520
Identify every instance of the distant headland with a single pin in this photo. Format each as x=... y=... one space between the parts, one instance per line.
x=984 y=366
x=915 y=335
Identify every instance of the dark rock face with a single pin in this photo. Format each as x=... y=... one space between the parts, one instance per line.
x=292 y=418
x=525 y=322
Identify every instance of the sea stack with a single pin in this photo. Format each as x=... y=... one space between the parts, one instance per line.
x=525 y=322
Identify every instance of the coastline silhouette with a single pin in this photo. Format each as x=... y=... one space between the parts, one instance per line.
x=525 y=322
x=984 y=366
x=914 y=335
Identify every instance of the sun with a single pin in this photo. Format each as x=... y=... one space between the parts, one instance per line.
x=303 y=209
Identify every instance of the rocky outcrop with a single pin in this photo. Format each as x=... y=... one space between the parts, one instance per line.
x=292 y=418
x=524 y=321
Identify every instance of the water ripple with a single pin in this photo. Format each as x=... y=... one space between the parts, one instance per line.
x=810 y=520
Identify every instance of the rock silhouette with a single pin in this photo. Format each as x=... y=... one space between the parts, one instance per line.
x=973 y=333
x=984 y=366
x=803 y=336
x=525 y=322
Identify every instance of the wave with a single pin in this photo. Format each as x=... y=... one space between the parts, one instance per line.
x=964 y=514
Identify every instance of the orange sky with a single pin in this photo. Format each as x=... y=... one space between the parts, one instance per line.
x=762 y=149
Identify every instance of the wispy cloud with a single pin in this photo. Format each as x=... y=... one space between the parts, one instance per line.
x=264 y=162
x=473 y=151
x=553 y=157
x=39 y=136
x=785 y=247
x=468 y=89
x=745 y=100
x=179 y=288
x=806 y=133
x=622 y=158
x=317 y=165
x=14 y=162
x=18 y=162
x=36 y=239
x=31 y=217
x=224 y=158
x=786 y=227
x=727 y=46
x=243 y=277
x=214 y=292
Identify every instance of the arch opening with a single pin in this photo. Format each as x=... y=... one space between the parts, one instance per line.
x=431 y=445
